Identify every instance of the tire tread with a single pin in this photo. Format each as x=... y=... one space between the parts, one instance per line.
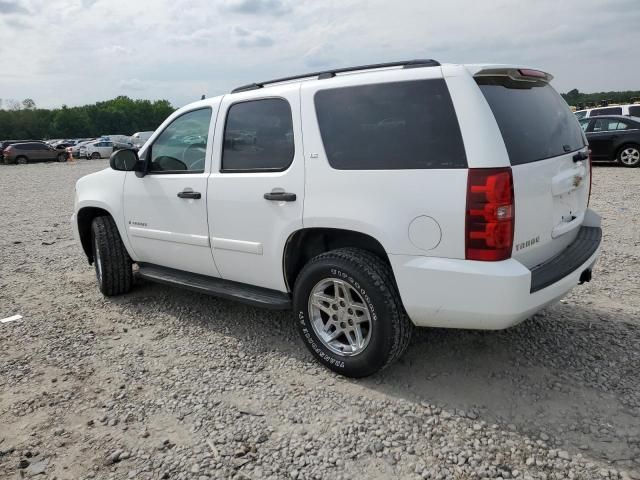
x=117 y=273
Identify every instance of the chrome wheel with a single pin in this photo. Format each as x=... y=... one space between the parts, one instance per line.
x=340 y=317
x=630 y=156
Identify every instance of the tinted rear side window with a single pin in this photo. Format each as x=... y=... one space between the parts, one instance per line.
x=535 y=122
x=634 y=110
x=400 y=125
x=606 y=111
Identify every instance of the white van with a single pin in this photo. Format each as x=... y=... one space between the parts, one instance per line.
x=632 y=110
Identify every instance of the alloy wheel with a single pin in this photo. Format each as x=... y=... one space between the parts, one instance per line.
x=340 y=317
x=630 y=156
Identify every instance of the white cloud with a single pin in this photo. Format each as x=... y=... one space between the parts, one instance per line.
x=133 y=84
x=81 y=51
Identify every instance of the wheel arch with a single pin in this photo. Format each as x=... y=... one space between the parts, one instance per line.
x=84 y=218
x=306 y=243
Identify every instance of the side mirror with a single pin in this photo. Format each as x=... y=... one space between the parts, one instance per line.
x=124 y=160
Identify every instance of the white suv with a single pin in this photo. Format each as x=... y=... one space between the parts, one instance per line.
x=368 y=199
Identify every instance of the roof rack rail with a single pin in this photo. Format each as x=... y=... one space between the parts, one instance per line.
x=332 y=73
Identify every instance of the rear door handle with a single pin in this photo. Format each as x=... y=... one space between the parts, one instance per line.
x=280 y=196
x=190 y=194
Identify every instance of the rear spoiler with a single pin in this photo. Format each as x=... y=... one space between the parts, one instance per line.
x=520 y=74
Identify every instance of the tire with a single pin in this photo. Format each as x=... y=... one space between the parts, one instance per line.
x=96 y=156
x=629 y=156
x=111 y=261
x=22 y=160
x=385 y=330
x=62 y=158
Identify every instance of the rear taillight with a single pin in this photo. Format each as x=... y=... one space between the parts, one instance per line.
x=590 y=177
x=490 y=214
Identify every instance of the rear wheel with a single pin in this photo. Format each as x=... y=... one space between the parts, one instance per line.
x=629 y=156
x=95 y=155
x=110 y=258
x=349 y=313
x=62 y=157
x=22 y=160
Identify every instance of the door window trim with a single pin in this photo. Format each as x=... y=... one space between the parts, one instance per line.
x=148 y=153
x=257 y=170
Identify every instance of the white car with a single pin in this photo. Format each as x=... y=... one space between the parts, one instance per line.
x=632 y=110
x=97 y=149
x=369 y=200
x=138 y=139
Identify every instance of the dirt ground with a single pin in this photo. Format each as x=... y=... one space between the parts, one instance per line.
x=164 y=383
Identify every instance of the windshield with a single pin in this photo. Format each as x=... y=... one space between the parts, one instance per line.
x=535 y=122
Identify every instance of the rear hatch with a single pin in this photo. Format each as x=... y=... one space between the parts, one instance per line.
x=548 y=154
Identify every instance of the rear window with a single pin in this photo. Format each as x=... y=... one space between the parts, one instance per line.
x=535 y=122
x=606 y=111
x=388 y=126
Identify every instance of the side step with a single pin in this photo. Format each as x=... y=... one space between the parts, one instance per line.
x=249 y=294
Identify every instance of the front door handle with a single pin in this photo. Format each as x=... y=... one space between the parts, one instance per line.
x=280 y=196
x=190 y=194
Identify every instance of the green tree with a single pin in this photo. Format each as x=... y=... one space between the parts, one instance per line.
x=121 y=115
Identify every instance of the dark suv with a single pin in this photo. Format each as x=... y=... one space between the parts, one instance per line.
x=614 y=137
x=23 y=153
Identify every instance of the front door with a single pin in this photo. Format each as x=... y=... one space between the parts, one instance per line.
x=256 y=188
x=166 y=210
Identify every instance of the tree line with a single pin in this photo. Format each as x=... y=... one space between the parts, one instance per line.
x=122 y=115
x=576 y=98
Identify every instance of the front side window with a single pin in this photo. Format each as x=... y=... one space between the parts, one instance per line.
x=581 y=114
x=182 y=146
x=258 y=136
x=390 y=126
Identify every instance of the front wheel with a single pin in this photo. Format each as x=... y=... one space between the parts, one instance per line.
x=349 y=313
x=629 y=156
x=95 y=155
x=111 y=260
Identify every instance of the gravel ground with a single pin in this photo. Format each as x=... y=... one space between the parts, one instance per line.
x=163 y=383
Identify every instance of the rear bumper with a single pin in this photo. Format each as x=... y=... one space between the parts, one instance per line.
x=452 y=293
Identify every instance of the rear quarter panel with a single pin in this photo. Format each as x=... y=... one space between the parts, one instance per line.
x=381 y=203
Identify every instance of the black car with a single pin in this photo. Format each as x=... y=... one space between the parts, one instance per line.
x=614 y=138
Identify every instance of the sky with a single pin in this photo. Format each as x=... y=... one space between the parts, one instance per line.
x=76 y=52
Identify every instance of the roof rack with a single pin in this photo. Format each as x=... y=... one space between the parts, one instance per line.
x=332 y=73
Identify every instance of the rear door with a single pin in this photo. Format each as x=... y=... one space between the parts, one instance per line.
x=547 y=151
x=256 y=187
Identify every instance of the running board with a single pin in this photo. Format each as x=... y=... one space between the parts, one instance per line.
x=249 y=294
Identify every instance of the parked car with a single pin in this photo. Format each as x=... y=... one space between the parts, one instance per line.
x=614 y=138
x=629 y=109
x=5 y=143
x=80 y=148
x=29 y=152
x=139 y=138
x=98 y=149
x=369 y=203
